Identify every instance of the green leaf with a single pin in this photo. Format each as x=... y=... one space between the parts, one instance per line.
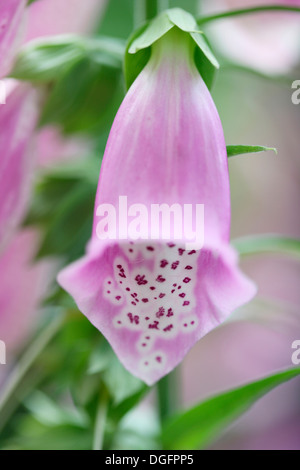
x=119 y=382
x=85 y=98
x=258 y=244
x=233 y=150
x=139 y=47
x=197 y=427
x=49 y=413
x=46 y=59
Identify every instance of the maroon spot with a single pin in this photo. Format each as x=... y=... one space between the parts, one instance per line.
x=185 y=303
x=122 y=275
x=160 y=313
x=191 y=252
x=150 y=248
x=182 y=295
x=158 y=359
x=141 y=280
x=188 y=267
x=146 y=363
x=175 y=265
x=145 y=301
x=118 y=297
x=163 y=263
x=147 y=337
x=119 y=322
x=131 y=250
x=154 y=325
x=192 y=323
x=174 y=285
x=161 y=296
x=168 y=328
x=133 y=318
x=187 y=279
x=119 y=266
x=179 y=287
x=171 y=245
x=108 y=291
x=152 y=288
x=128 y=289
x=109 y=282
x=185 y=325
x=147 y=318
x=160 y=279
x=133 y=303
x=170 y=313
x=181 y=251
x=144 y=344
x=155 y=298
x=172 y=291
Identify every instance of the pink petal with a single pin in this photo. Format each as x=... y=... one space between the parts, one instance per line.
x=17 y=122
x=11 y=31
x=22 y=287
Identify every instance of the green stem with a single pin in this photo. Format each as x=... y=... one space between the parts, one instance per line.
x=100 y=422
x=18 y=374
x=168 y=395
x=151 y=9
x=246 y=11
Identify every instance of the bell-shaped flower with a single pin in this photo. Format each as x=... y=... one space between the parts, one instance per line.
x=18 y=119
x=11 y=31
x=267 y=41
x=144 y=282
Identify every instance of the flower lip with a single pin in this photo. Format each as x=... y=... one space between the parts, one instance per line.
x=156 y=299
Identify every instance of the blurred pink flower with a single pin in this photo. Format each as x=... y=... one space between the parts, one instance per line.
x=11 y=31
x=18 y=119
x=53 y=147
x=23 y=284
x=153 y=300
x=267 y=41
x=51 y=17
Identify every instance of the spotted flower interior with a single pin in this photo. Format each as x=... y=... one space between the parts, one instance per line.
x=155 y=292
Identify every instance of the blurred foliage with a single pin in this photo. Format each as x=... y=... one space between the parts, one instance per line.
x=68 y=369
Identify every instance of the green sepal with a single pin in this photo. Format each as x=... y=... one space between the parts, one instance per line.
x=138 y=50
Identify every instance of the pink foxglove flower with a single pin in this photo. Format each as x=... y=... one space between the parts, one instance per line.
x=11 y=31
x=268 y=42
x=153 y=298
x=18 y=118
x=51 y=17
x=22 y=287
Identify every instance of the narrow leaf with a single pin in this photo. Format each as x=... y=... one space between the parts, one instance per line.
x=257 y=244
x=201 y=424
x=233 y=150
